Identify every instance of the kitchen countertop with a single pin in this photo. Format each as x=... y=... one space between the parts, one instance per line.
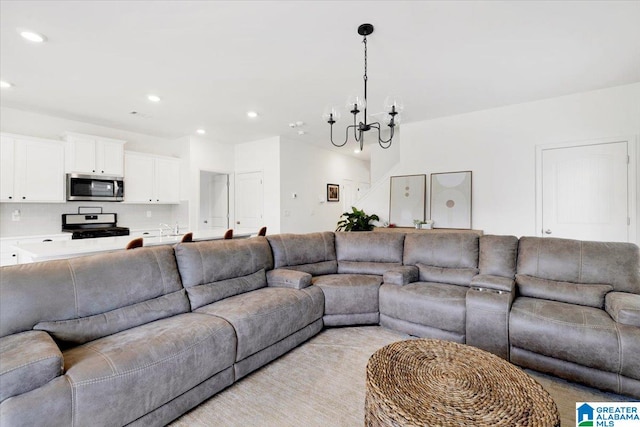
x=44 y=251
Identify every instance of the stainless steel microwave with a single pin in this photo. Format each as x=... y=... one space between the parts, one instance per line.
x=95 y=188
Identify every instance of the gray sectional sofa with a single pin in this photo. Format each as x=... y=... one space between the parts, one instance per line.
x=139 y=337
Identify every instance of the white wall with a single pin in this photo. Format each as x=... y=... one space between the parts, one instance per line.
x=201 y=154
x=382 y=161
x=306 y=170
x=263 y=156
x=498 y=145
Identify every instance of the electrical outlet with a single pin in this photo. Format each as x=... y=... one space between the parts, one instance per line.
x=15 y=215
x=148 y=214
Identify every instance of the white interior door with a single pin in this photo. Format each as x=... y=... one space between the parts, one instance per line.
x=585 y=192
x=249 y=200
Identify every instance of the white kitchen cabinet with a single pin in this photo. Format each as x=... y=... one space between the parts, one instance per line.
x=151 y=179
x=93 y=155
x=32 y=170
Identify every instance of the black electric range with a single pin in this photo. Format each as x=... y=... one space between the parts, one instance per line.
x=88 y=226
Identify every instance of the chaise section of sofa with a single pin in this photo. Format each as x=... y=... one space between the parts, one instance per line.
x=352 y=294
x=575 y=314
x=431 y=302
x=129 y=344
x=228 y=280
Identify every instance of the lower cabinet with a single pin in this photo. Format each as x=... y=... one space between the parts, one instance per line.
x=151 y=179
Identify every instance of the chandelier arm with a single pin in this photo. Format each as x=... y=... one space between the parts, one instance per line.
x=345 y=139
x=383 y=143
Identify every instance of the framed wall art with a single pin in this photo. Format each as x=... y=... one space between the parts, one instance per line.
x=333 y=193
x=451 y=200
x=407 y=199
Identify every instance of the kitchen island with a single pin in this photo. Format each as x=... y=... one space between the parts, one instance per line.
x=45 y=251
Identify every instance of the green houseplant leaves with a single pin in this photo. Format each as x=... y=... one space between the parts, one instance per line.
x=356 y=220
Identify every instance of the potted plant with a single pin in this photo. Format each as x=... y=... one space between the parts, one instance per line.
x=356 y=220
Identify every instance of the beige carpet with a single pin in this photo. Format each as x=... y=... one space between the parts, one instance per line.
x=322 y=383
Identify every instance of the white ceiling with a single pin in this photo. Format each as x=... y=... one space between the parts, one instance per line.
x=211 y=61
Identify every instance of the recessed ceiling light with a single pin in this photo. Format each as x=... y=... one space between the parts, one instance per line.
x=201 y=131
x=5 y=85
x=153 y=98
x=32 y=36
x=252 y=114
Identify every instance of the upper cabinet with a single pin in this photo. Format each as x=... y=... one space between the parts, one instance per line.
x=93 y=155
x=32 y=169
x=151 y=179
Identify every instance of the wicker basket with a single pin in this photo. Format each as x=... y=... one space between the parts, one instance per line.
x=440 y=383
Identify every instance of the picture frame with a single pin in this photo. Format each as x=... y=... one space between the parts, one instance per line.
x=333 y=193
x=407 y=199
x=451 y=200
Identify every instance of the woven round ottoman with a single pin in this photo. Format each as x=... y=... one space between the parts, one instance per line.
x=440 y=383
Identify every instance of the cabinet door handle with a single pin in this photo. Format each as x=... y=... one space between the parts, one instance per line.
x=24 y=197
x=10 y=197
x=547 y=231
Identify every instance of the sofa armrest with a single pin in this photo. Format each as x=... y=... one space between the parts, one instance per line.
x=283 y=278
x=623 y=307
x=29 y=360
x=493 y=283
x=401 y=276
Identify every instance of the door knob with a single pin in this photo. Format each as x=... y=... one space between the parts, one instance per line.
x=547 y=231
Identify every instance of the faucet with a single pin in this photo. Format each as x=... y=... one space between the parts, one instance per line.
x=175 y=230
x=164 y=227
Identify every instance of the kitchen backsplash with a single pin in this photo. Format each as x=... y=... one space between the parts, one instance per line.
x=46 y=218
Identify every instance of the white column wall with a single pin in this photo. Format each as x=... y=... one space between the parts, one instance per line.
x=263 y=155
x=306 y=170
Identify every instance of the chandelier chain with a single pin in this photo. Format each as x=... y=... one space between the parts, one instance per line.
x=365 y=57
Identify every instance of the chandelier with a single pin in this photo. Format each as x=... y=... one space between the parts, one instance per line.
x=356 y=104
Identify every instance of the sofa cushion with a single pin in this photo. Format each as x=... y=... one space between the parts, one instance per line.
x=265 y=316
x=119 y=378
x=313 y=253
x=566 y=260
x=573 y=333
x=84 y=286
x=623 y=307
x=436 y=305
x=589 y=294
x=28 y=360
x=216 y=269
x=498 y=255
x=454 y=276
x=369 y=246
x=349 y=293
x=450 y=250
x=85 y=329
